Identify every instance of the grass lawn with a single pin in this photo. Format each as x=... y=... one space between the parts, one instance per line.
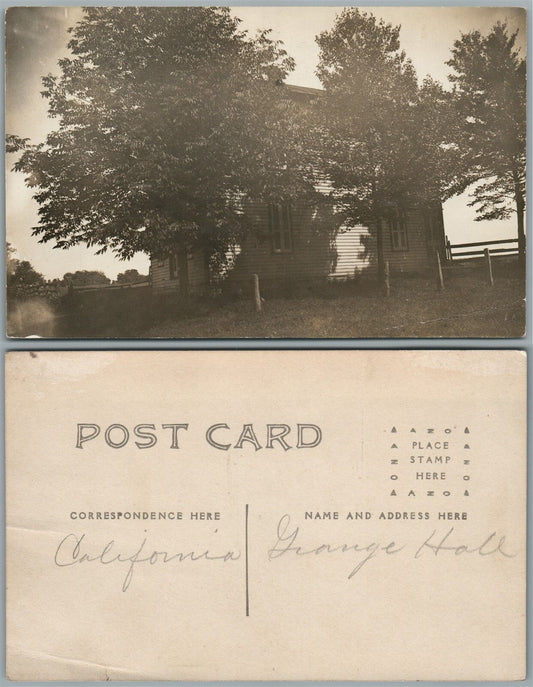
x=468 y=307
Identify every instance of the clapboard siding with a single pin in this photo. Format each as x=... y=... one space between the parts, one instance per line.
x=420 y=251
x=312 y=251
x=198 y=275
x=321 y=248
x=159 y=274
x=353 y=249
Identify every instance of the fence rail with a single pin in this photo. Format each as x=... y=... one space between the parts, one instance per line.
x=455 y=251
x=110 y=287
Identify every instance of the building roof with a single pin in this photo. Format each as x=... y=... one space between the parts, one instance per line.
x=303 y=90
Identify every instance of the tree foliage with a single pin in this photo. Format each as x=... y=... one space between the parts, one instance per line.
x=85 y=278
x=167 y=116
x=11 y=260
x=20 y=272
x=24 y=274
x=383 y=132
x=490 y=104
x=131 y=276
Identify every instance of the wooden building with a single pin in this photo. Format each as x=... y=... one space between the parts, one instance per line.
x=298 y=242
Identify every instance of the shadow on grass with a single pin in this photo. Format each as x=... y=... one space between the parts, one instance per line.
x=468 y=307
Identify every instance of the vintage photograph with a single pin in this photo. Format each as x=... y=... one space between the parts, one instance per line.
x=265 y=172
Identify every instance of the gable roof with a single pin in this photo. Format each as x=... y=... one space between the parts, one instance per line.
x=303 y=90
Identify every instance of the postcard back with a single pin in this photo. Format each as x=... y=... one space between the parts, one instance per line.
x=272 y=515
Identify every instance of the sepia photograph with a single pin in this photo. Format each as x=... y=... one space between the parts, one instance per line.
x=265 y=172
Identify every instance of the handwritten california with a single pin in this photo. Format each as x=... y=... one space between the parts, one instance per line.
x=76 y=549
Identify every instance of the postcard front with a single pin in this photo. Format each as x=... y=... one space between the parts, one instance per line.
x=350 y=172
x=295 y=515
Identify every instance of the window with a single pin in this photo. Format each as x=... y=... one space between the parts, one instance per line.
x=173 y=266
x=280 y=216
x=398 y=233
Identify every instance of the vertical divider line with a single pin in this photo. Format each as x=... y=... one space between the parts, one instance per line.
x=246 y=560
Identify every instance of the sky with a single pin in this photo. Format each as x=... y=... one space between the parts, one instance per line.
x=36 y=37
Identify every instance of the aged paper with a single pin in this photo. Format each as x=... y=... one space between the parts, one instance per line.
x=294 y=515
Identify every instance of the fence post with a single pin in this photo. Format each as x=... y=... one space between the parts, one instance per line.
x=440 y=279
x=489 y=266
x=387 y=278
x=449 y=255
x=257 y=294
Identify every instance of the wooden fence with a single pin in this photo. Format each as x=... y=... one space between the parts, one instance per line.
x=456 y=251
x=110 y=287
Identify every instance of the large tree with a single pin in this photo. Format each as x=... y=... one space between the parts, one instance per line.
x=131 y=276
x=381 y=129
x=24 y=275
x=167 y=117
x=86 y=278
x=20 y=272
x=490 y=101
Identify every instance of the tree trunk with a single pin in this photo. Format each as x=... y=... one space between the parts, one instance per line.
x=379 y=226
x=183 y=271
x=520 y=206
x=379 y=250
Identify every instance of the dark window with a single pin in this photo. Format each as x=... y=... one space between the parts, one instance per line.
x=173 y=266
x=398 y=233
x=281 y=227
